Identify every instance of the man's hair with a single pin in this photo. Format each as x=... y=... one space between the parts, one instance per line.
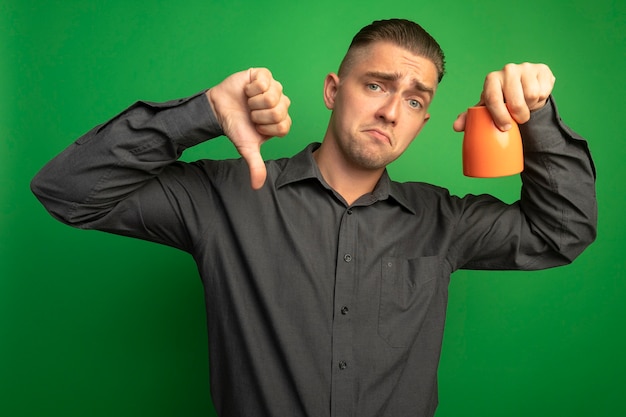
x=401 y=32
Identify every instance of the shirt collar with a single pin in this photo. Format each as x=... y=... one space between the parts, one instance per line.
x=302 y=166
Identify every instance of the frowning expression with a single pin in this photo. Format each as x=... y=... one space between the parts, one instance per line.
x=380 y=104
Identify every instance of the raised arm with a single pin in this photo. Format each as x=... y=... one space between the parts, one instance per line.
x=556 y=216
x=116 y=159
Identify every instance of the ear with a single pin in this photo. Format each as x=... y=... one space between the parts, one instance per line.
x=331 y=85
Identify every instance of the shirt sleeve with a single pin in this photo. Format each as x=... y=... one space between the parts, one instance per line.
x=85 y=185
x=555 y=218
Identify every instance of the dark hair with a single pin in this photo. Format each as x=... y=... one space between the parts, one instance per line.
x=403 y=33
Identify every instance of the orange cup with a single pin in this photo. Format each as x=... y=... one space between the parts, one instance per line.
x=489 y=152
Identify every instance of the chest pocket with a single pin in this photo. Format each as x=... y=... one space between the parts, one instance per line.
x=407 y=288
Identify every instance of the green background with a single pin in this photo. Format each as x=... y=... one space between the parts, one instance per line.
x=98 y=325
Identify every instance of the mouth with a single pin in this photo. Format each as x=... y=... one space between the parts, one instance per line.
x=379 y=135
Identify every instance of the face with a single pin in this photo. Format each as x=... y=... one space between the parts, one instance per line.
x=379 y=105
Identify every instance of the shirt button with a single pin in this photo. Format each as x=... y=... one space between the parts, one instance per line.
x=349 y=211
x=344 y=310
x=347 y=257
x=343 y=365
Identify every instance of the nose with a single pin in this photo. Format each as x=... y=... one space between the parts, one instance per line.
x=389 y=110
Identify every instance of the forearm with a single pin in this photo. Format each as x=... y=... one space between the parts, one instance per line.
x=558 y=193
x=555 y=218
x=117 y=158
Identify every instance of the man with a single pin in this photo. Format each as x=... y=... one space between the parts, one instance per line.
x=326 y=282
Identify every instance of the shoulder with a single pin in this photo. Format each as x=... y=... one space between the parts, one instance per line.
x=419 y=193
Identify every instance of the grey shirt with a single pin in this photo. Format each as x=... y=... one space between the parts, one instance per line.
x=315 y=307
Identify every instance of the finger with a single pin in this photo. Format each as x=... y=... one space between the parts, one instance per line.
x=267 y=99
x=493 y=98
x=260 y=81
x=273 y=114
x=531 y=87
x=544 y=82
x=516 y=81
x=279 y=129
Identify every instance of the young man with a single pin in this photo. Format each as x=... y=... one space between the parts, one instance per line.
x=326 y=282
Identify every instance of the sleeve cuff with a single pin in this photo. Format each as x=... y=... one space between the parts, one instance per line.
x=546 y=129
x=190 y=120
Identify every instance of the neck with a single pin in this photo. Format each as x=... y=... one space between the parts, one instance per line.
x=348 y=180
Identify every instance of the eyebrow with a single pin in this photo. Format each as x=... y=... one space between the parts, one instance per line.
x=394 y=76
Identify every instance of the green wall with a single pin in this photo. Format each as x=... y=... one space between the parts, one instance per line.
x=98 y=325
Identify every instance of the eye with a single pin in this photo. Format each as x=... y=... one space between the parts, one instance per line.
x=373 y=87
x=415 y=104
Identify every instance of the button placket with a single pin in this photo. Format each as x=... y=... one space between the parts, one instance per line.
x=342 y=345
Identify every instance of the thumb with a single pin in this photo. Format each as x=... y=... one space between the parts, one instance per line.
x=256 y=165
x=459 y=123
